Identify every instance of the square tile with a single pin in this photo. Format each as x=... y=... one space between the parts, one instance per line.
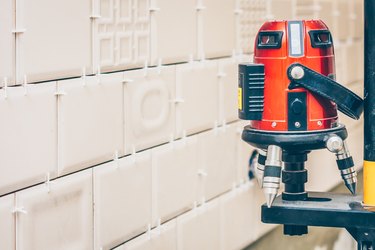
x=63 y=51
x=217 y=154
x=306 y=9
x=244 y=152
x=29 y=135
x=342 y=20
x=197 y=94
x=59 y=215
x=200 y=228
x=252 y=14
x=121 y=34
x=218 y=34
x=7 y=42
x=282 y=9
x=175 y=176
x=7 y=226
x=257 y=201
x=323 y=173
x=237 y=213
x=326 y=14
x=163 y=237
x=122 y=197
x=90 y=121
x=173 y=31
x=149 y=107
x=228 y=85
x=357 y=19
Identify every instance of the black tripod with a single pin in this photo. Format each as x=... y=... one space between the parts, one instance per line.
x=296 y=208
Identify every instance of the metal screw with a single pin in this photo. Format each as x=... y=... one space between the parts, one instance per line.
x=297 y=124
x=297 y=72
x=320 y=123
x=273 y=124
x=334 y=144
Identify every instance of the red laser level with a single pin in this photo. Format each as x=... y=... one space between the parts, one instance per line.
x=291 y=98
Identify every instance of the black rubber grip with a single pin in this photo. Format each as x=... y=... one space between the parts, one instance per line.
x=294 y=177
x=345 y=163
x=272 y=171
x=347 y=102
x=262 y=159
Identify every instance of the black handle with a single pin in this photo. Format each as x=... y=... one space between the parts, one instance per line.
x=347 y=102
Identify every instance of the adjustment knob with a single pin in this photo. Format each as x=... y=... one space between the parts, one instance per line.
x=297 y=106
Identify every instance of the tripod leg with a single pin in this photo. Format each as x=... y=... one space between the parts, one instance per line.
x=344 y=162
x=272 y=173
x=259 y=170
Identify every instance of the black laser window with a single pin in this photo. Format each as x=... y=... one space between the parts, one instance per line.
x=320 y=38
x=269 y=39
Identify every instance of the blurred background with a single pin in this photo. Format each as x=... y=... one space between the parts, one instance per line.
x=119 y=123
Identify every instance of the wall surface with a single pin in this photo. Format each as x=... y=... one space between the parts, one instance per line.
x=120 y=125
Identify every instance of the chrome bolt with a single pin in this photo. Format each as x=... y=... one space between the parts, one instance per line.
x=297 y=124
x=297 y=72
x=334 y=144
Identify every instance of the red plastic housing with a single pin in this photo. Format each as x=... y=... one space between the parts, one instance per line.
x=321 y=113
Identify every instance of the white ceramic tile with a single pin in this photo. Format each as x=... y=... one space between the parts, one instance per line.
x=7 y=225
x=356 y=19
x=122 y=197
x=54 y=44
x=355 y=70
x=58 y=216
x=173 y=31
x=217 y=154
x=237 y=218
x=200 y=228
x=306 y=9
x=29 y=135
x=257 y=201
x=323 y=173
x=355 y=143
x=218 y=28
x=244 y=151
x=160 y=238
x=252 y=15
x=228 y=71
x=197 y=89
x=341 y=54
x=283 y=9
x=326 y=14
x=121 y=247
x=350 y=73
x=7 y=42
x=121 y=34
x=149 y=107
x=228 y=84
x=342 y=20
x=90 y=121
x=175 y=176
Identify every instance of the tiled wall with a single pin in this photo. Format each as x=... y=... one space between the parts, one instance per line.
x=119 y=123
